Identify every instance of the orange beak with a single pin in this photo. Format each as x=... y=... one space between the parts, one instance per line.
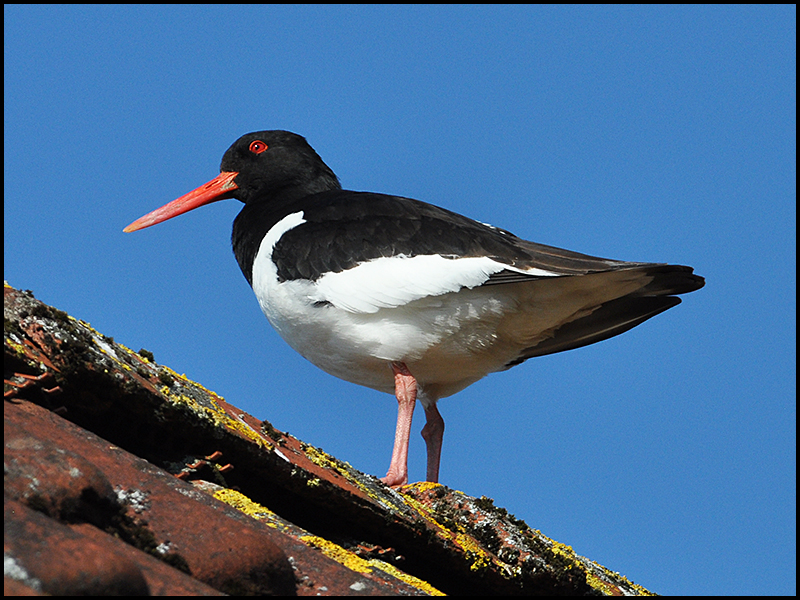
x=218 y=188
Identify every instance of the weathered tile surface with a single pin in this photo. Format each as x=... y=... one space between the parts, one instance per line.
x=131 y=477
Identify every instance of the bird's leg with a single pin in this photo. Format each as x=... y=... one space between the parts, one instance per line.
x=433 y=433
x=405 y=388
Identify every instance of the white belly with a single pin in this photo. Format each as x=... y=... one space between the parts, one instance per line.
x=446 y=341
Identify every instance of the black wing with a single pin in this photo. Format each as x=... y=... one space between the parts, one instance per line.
x=344 y=228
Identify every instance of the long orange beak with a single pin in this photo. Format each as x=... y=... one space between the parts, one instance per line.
x=218 y=188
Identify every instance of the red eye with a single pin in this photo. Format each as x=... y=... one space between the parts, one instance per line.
x=257 y=147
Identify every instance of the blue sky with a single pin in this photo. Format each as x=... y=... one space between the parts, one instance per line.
x=640 y=133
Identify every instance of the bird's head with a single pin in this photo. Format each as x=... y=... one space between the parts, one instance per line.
x=259 y=167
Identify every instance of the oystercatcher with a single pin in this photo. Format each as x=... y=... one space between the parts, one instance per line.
x=406 y=297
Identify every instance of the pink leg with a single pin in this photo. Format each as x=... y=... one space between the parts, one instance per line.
x=405 y=388
x=433 y=433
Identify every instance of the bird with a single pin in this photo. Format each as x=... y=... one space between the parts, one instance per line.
x=403 y=296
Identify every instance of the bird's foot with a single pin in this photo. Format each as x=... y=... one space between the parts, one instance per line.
x=394 y=479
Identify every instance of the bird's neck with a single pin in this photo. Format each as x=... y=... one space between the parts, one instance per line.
x=261 y=213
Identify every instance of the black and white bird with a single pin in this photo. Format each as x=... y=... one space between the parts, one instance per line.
x=406 y=297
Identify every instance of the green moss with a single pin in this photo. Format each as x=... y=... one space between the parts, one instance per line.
x=271 y=432
x=12 y=326
x=48 y=312
x=166 y=378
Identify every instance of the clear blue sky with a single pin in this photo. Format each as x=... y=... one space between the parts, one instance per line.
x=640 y=133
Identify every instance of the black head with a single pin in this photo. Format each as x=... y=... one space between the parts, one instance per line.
x=276 y=164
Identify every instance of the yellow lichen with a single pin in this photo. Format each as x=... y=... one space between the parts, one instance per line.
x=363 y=566
x=252 y=509
x=337 y=553
x=344 y=557
x=19 y=349
x=609 y=586
x=601 y=586
x=479 y=557
x=422 y=486
x=243 y=504
x=326 y=461
x=616 y=580
x=473 y=552
x=215 y=413
x=405 y=577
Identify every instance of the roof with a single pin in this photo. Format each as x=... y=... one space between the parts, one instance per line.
x=122 y=476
